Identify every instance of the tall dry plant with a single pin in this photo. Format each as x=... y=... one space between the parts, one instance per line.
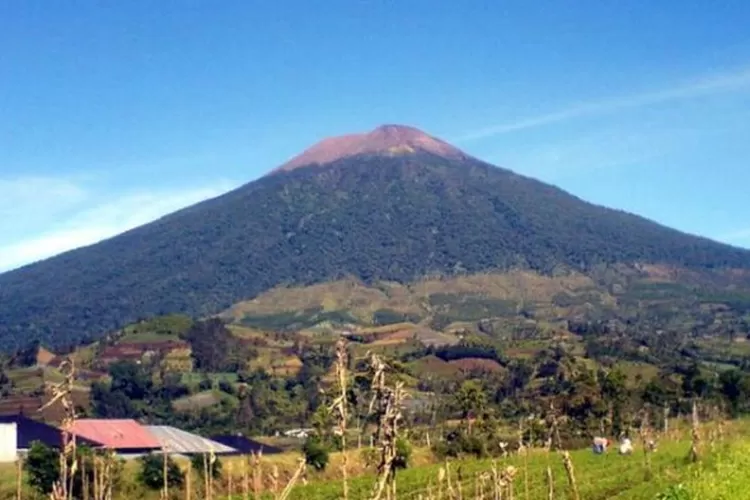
x=189 y=482
x=566 y=459
x=104 y=475
x=720 y=423
x=164 y=473
x=230 y=480
x=275 y=479
x=340 y=408
x=695 y=434
x=647 y=443
x=571 y=473
x=385 y=405
x=19 y=477
x=209 y=461
x=257 y=474
x=63 y=487
x=246 y=478
x=298 y=474
x=523 y=449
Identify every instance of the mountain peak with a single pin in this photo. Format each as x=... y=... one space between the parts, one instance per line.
x=389 y=139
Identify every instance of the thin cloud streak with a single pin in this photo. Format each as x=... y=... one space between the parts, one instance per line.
x=715 y=84
x=737 y=237
x=98 y=220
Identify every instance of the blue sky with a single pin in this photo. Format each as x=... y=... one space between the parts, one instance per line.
x=114 y=113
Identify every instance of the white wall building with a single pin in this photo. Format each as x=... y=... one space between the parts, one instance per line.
x=8 y=442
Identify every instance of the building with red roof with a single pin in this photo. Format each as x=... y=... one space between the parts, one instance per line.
x=124 y=436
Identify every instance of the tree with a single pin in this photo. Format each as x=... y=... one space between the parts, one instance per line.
x=735 y=387
x=6 y=384
x=470 y=399
x=28 y=355
x=42 y=467
x=614 y=387
x=131 y=379
x=213 y=347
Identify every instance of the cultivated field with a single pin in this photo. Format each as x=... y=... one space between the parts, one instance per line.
x=722 y=472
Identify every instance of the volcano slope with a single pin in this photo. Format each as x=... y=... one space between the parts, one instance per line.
x=394 y=204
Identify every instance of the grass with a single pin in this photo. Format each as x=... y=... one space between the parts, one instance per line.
x=599 y=477
x=728 y=477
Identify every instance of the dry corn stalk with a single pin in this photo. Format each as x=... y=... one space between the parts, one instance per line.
x=106 y=475
x=19 y=477
x=340 y=405
x=275 y=479
x=441 y=480
x=386 y=406
x=188 y=482
x=245 y=478
x=695 y=432
x=164 y=473
x=448 y=482
x=293 y=480
x=212 y=465
x=63 y=488
x=550 y=484
x=647 y=444
x=230 y=480
x=570 y=472
x=508 y=475
x=257 y=474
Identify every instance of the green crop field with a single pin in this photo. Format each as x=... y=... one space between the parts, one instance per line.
x=722 y=473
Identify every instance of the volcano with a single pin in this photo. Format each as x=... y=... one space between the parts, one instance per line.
x=391 y=204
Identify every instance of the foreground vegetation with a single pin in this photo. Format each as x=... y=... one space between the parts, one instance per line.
x=722 y=472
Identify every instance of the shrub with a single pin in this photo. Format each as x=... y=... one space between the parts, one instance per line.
x=151 y=473
x=42 y=467
x=403 y=454
x=459 y=443
x=675 y=492
x=316 y=453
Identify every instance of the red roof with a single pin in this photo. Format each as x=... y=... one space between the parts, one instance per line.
x=116 y=434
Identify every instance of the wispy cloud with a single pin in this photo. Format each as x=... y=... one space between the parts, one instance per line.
x=89 y=218
x=705 y=85
x=739 y=237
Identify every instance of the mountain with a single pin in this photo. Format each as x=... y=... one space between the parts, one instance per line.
x=393 y=204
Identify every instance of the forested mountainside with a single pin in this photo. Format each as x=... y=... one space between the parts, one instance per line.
x=373 y=216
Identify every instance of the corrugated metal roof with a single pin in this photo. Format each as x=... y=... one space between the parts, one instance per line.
x=178 y=441
x=30 y=430
x=116 y=434
x=246 y=446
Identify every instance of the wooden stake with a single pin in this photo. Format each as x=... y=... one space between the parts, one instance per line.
x=19 y=477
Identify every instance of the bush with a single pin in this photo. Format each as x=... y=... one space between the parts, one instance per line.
x=675 y=492
x=42 y=467
x=151 y=473
x=403 y=454
x=459 y=443
x=316 y=453
x=206 y=384
x=227 y=387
